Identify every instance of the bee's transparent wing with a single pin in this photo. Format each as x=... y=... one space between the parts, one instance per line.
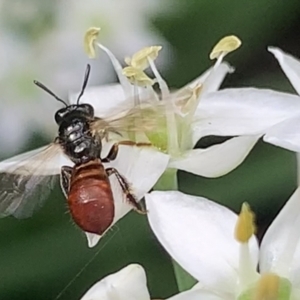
x=27 y=179
x=147 y=117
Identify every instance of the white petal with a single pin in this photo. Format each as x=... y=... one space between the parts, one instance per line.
x=109 y=100
x=129 y=283
x=298 y=167
x=216 y=160
x=285 y=134
x=105 y=99
x=215 y=78
x=142 y=167
x=199 y=235
x=92 y=239
x=243 y=111
x=280 y=248
x=290 y=66
x=211 y=79
x=197 y=295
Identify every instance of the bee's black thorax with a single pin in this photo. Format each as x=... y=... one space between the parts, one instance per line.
x=74 y=134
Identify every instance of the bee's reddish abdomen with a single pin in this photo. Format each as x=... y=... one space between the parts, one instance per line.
x=90 y=197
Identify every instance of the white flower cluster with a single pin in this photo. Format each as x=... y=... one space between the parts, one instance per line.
x=213 y=244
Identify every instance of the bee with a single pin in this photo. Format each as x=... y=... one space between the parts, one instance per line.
x=27 y=179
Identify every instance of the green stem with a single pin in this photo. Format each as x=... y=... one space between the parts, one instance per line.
x=168 y=181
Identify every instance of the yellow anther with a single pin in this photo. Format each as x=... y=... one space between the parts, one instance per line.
x=245 y=226
x=267 y=287
x=191 y=99
x=224 y=46
x=197 y=90
x=137 y=76
x=140 y=59
x=89 y=41
x=128 y=60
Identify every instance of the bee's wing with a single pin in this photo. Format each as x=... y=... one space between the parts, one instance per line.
x=26 y=180
x=147 y=117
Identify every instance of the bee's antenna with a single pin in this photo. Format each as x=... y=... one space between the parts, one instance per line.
x=43 y=87
x=85 y=81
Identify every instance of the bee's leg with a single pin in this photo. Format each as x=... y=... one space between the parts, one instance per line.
x=113 y=152
x=126 y=190
x=65 y=179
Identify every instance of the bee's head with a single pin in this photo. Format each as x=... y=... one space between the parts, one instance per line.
x=85 y=110
x=81 y=110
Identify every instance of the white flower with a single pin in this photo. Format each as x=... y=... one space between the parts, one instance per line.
x=42 y=41
x=199 y=235
x=127 y=284
x=195 y=111
x=130 y=283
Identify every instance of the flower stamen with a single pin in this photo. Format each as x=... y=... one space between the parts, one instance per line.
x=90 y=37
x=138 y=63
x=190 y=103
x=244 y=230
x=137 y=76
x=223 y=47
x=173 y=145
x=245 y=226
x=220 y=50
x=139 y=60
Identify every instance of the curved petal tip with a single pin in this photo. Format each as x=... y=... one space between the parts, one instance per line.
x=128 y=283
x=92 y=239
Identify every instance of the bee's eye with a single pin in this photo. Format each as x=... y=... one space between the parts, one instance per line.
x=59 y=115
